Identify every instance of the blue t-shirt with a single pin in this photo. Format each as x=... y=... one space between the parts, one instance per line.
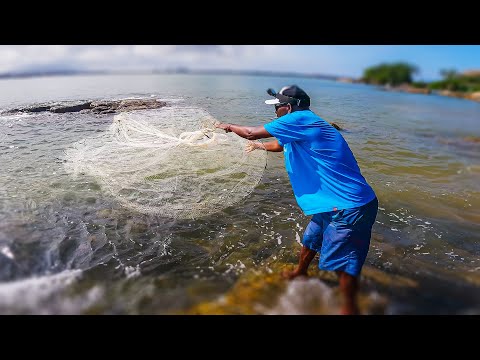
x=323 y=171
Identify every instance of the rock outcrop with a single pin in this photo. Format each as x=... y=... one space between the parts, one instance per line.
x=97 y=107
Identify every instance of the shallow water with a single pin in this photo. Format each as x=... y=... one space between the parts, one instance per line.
x=69 y=245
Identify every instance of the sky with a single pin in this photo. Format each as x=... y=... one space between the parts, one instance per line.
x=336 y=60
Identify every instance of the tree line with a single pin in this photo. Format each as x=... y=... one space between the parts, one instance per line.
x=401 y=73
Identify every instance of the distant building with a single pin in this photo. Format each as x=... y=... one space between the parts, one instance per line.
x=471 y=73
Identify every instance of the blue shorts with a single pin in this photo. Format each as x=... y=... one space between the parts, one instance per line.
x=342 y=237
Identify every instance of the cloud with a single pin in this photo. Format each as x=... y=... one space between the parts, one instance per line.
x=20 y=58
x=340 y=60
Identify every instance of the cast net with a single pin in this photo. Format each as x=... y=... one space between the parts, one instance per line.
x=171 y=162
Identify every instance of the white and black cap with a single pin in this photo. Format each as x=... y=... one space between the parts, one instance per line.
x=291 y=94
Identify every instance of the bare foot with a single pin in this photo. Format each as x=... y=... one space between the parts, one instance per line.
x=292 y=274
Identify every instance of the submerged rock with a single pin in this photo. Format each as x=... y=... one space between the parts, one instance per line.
x=336 y=126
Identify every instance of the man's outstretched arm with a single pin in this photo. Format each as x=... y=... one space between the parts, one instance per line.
x=247 y=132
x=272 y=146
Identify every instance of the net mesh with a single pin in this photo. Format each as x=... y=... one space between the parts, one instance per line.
x=171 y=162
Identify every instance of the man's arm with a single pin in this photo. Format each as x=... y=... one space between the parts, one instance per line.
x=247 y=132
x=272 y=146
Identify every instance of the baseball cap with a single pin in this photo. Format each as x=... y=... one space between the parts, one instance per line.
x=291 y=94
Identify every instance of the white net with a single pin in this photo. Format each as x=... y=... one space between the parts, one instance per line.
x=170 y=162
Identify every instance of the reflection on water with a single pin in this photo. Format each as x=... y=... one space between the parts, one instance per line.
x=78 y=250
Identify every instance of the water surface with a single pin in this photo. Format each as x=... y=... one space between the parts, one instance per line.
x=67 y=246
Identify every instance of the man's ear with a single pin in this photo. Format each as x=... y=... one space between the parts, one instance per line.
x=289 y=108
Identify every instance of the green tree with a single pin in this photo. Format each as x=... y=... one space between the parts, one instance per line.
x=448 y=74
x=454 y=81
x=391 y=74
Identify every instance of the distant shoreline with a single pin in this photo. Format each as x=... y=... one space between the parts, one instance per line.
x=406 y=88
x=18 y=75
x=475 y=96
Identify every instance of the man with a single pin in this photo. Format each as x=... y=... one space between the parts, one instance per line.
x=327 y=183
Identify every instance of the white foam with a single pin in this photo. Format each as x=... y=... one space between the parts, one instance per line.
x=8 y=118
x=132 y=272
x=5 y=250
x=28 y=293
x=297 y=238
x=310 y=296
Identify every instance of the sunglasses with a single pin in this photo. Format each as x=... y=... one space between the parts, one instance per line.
x=278 y=106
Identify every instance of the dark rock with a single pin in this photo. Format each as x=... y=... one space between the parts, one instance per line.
x=71 y=108
x=36 y=109
x=32 y=109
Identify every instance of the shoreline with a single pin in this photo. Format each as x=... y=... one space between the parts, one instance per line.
x=406 y=88
x=473 y=96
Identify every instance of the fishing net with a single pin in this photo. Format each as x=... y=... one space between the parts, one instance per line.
x=170 y=162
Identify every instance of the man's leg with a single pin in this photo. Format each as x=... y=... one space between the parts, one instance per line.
x=306 y=257
x=312 y=243
x=346 y=242
x=348 y=289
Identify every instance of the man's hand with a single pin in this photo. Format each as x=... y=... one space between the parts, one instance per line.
x=223 y=126
x=250 y=146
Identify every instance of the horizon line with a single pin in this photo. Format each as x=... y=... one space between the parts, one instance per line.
x=178 y=70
